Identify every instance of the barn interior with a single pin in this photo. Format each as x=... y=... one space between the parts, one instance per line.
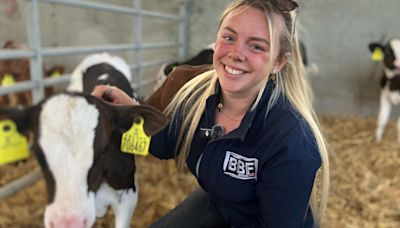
x=48 y=38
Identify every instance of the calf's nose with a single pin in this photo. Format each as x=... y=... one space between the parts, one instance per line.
x=396 y=63
x=70 y=222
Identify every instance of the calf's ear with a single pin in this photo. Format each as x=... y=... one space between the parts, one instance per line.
x=20 y=116
x=373 y=46
x=154 y=120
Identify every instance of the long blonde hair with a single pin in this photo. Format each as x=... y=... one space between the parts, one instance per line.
x=189 y=103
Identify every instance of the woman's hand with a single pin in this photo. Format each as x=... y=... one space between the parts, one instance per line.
x=113 y=94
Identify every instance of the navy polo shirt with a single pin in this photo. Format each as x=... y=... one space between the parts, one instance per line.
x=260 y=174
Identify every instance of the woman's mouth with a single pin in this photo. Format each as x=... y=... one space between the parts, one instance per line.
x=233 y=71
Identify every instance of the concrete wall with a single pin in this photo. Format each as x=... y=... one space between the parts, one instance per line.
x=336 y=34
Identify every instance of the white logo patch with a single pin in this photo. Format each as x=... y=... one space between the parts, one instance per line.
x=240 y=167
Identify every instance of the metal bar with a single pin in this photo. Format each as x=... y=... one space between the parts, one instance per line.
x=113 y=8
x=18 y=184
x=57 y=51
x=160 y=15
x=35 y=63
x=17 y=87
x=17 y=54
x=85 y=49
x=109 y=48
x=62 y=79
x=138 y=45
x=149 y=64
x=184 y=27
x=93 y=6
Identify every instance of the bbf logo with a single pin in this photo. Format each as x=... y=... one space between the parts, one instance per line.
x=240 y=167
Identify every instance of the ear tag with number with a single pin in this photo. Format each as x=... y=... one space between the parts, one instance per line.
x=135 y=140
x=7 y=80
x=13 y=145
x=377 y=55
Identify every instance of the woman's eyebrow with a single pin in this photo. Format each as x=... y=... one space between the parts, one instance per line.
x=259 y=39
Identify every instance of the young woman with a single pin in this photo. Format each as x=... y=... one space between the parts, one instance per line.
x=247 y=129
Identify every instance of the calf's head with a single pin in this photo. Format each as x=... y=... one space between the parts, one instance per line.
x=391 y=55
x=71 y=134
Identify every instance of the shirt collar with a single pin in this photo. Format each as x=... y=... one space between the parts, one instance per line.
x=247 y=121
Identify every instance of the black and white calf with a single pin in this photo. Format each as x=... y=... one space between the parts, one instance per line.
x=390 y=83
x=76 y=139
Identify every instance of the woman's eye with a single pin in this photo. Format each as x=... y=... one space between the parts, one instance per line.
x=257 y=47
x=227 y=38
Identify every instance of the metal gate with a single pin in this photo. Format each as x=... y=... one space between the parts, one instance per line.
x=36 y=52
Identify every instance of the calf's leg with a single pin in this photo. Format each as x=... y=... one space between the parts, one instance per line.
x=124 y=208
x=383 y=117
x=123 y=203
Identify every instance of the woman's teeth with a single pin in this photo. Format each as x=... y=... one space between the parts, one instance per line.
x=233 y=71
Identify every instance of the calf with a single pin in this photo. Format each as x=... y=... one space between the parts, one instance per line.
x=390 y=82
x=76 y=139
x=311 y=69
x=20 y=71
x=181 y=74
x=205 y=56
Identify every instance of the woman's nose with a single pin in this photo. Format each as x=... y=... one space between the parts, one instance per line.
x=237 y=53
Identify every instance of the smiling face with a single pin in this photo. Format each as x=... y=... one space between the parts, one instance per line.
x=242 y=51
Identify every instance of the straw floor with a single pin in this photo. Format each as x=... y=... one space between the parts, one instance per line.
x=365 y=182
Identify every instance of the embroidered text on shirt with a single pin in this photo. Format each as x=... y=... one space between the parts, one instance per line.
x=240 y=167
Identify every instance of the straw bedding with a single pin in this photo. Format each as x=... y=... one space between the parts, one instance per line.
x=365 y=182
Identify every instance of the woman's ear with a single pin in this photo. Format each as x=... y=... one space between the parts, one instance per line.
x=281 y=62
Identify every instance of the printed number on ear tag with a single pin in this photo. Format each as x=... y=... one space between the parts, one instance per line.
x=13 y=145
x=377 y=55
x=135 y=141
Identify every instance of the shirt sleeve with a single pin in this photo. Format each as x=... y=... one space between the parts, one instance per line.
x=285 y=184
x=162 y=145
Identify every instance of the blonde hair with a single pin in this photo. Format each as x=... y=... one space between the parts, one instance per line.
x=189 y=103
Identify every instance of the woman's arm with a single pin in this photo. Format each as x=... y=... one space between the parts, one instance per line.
x=285 y=185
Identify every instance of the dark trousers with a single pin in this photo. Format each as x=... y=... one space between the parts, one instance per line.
x=196 y=211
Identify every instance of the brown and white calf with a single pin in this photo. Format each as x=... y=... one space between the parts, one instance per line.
x=76 y=139
x=390 y=84
x=20 y=71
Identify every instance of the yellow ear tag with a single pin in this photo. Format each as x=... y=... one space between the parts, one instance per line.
x=377 y=55
x=7 y=80
x=135 y=141
x=55 y=74
x=13 y=145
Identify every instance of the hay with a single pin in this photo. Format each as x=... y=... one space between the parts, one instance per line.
x=12 y=171
x=365 y=183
